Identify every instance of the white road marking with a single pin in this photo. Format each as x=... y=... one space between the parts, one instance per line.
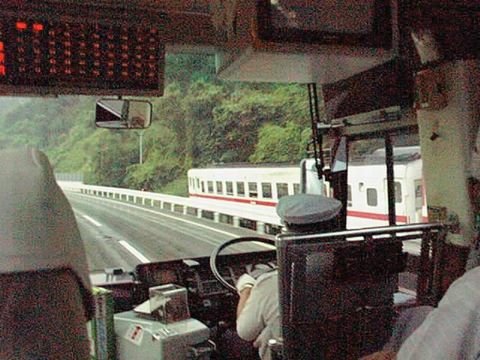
x=94 y=222
x=134 y=251
x=182 y=220
x=125 y=244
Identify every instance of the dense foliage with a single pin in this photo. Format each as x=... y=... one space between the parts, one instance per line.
x=200 y=120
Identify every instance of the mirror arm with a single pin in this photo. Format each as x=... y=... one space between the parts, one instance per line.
x=317 y=138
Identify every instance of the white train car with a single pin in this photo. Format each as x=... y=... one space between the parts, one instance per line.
x=253 y=184
x=367 y=204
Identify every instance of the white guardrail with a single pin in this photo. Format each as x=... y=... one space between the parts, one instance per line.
x=261 y=218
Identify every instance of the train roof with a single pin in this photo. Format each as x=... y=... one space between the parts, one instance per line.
x=403 y=154
x=249 y=165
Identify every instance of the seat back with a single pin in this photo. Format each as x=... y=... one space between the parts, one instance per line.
x=45 y=288
x=38 y=230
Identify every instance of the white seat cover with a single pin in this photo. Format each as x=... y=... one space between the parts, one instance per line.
x=38 y=230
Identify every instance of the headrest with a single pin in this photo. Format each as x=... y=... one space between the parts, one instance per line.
x=302 y=209
x=38 y=230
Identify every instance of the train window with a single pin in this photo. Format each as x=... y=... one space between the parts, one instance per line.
x=418 y=194
x=398 y=192
x=372 y=199
x=210 y=187
x=219 y=187
x=229 y=186
x=267 y=190
x=296 y=188
x=361 y=186
x=240 y=189
x=282 y=190
x=198 y=183
x=203 y=186
x=252 y=190
x=349 y=196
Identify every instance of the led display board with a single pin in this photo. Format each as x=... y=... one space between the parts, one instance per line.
x=84 y=55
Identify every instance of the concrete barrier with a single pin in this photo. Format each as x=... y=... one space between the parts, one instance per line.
x=265 y=217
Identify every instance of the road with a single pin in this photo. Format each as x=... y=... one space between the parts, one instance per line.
x=119 y=234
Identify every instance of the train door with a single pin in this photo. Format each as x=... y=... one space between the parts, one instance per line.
x=367 y=193
x=401 y=198
x=367 y=197
x=377 y=189
x=419 y=201
x=414 y=190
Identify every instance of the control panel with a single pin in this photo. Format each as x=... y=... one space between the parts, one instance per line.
x=208 y=300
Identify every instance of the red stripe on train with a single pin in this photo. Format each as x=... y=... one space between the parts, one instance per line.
x=373 y=216
x=354 y=213
x=244 y=201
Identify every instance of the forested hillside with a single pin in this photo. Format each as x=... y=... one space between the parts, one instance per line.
x=200 y=120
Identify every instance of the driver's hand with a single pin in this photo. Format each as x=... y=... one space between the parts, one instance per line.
x=245 y=281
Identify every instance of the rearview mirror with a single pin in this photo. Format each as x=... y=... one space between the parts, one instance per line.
x=123 y=114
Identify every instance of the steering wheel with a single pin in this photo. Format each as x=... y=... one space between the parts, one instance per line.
x=217 y=250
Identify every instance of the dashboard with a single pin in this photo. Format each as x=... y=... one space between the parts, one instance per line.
x=208 y=300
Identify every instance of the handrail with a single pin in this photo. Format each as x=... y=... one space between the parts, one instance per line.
x=430 y=267
x=368 y=232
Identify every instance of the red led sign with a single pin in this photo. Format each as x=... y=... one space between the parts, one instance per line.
x=37 y=27
x=110 y=59
x=3 y=70
x=21 y=25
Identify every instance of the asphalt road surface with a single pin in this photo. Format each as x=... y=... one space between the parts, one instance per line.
x=118 y=234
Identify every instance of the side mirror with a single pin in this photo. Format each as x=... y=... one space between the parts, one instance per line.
x=123 y=114
x=339 y=159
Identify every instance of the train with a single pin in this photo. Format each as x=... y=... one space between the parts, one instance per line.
x=264 y=184
x=367 y=203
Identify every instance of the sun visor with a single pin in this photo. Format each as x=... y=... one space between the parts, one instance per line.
x=384 y=86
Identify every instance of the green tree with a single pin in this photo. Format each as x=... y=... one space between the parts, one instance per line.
x=199 y=104
x=185 y=69
x=237 y=120
x=280 y=144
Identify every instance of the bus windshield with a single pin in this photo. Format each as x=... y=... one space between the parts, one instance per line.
x=212 y=166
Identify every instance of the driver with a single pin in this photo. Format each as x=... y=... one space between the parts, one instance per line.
x=258 y=315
